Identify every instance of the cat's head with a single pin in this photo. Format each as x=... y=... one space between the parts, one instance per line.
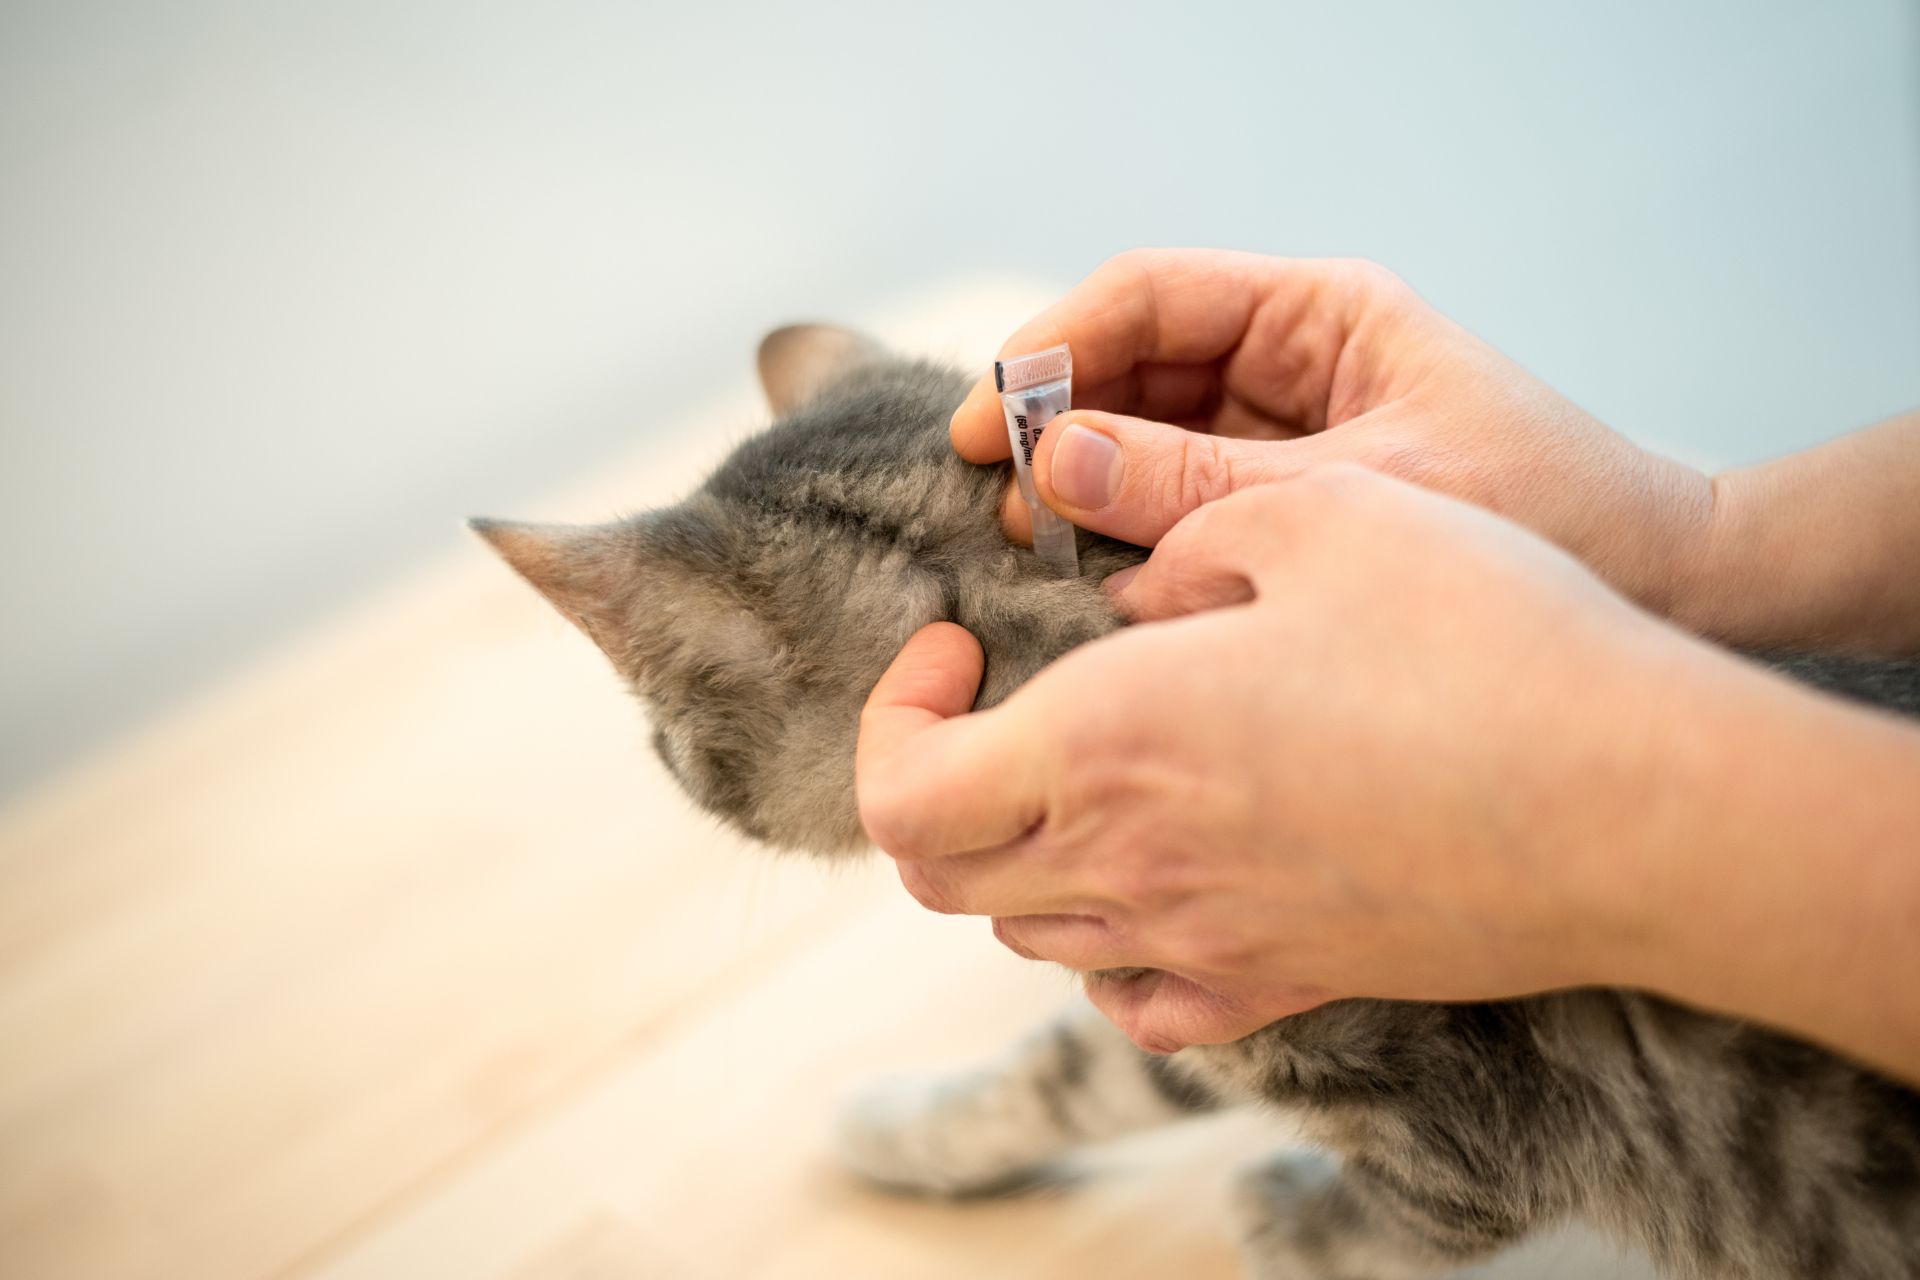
x=751 y=681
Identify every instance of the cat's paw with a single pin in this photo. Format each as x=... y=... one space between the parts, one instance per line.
x=927 y=1135
x=1296 y=1224
x=1275 y=1188
x=1266 y=1207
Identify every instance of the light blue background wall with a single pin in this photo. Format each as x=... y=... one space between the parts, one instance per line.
x=286 y=289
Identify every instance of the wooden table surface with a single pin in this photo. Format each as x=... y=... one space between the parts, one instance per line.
x=399 y=957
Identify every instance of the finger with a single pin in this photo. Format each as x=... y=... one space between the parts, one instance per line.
x=1155 y=390
x=1238 y=420
x=1186 y=394
x=930 y=777
x=978 y=429
x=1190 y=396
x=1016 y=879
x=1081 y=941
x=1274 y=327
x=1221 y=554
x=1163 y=1012
x=1231 y=419
x=1134 y=480
x=935 y=677
x=1165 y=306
x=1015 y=520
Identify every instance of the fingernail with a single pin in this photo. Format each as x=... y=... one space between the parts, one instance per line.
x=1086 y=468
x=1117 y=582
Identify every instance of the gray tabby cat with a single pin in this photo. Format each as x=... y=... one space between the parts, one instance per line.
x=753 y=618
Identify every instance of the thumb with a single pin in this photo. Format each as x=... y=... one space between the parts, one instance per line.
x=1133 y=479
x=931 y=779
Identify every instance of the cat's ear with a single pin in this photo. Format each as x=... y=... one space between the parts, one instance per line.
x=586 y=572
x=799 y=361
x=648 y=590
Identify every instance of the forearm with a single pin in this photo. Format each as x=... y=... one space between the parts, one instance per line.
x=1778 y=875
x=1818 y=550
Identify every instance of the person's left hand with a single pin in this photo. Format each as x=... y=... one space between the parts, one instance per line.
x=1332 y=760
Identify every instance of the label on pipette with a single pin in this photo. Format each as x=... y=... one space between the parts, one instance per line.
x=1034 y=390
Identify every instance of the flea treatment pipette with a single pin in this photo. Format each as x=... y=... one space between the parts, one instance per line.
x=1034 y=390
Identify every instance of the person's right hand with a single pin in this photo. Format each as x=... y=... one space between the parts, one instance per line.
x=1272 y=365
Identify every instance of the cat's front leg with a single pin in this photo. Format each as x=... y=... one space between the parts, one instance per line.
x=1308 y=1217
x=1076 y=1081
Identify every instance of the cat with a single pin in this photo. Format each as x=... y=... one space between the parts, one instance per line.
x=753 y=618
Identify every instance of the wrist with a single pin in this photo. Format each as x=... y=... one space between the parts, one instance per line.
x=1767 y=866
x=1672 y=540
x=1813 y=551
x=1711 y=591
x=1624 y=792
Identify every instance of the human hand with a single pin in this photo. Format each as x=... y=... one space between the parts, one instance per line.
x=1276 y=365
x=1332 y=761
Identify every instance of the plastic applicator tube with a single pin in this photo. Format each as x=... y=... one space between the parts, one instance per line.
x=1034 y=390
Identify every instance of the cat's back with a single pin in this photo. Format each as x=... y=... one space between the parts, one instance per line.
x=1736 y=1147
x=1723 y=1148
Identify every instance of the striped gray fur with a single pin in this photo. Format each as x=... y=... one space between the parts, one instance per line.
x=751 y=620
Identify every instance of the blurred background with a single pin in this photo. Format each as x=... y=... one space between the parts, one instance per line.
x=286 y=290
x=347 y=929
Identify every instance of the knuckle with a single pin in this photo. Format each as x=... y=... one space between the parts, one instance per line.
x=1146 y=884
x=1257 y=506
x=929 y=890
x=1145 y=875
x=1341 y=476
x=1129 y=281
x=1008 y=932
x=1125 y=274
x=1326 y=490
x=1216 y=951
x=1369 y=279
x=1403 y=457
x=1197 y=530
x=1191 y=554
x=1202 y=473
x=1233 y=519
x=1147 y=1035
x=1083 y=740
x=1132 y=263
x=884 y=819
